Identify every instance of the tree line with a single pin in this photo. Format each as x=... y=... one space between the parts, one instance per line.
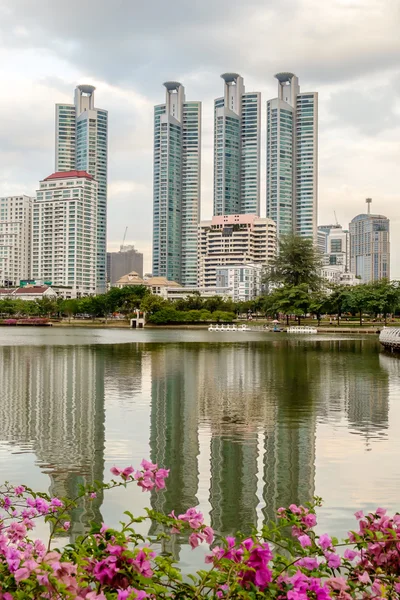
x=292 y=287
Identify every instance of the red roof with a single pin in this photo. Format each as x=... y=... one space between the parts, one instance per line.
x=68 y=174
x=36 y=289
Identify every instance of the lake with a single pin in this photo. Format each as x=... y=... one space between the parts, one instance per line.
x=247 y=422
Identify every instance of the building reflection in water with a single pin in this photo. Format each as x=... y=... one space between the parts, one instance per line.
x=52 y=399
x=259 y=403
x=174 y=430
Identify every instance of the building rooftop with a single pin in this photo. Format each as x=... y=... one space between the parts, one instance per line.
x=133 y=278
x=22 y=291
x=68 y=175
x=363 y=216
x=284 y=76
x=172 y=85
x=86 y=89
x=230 y=77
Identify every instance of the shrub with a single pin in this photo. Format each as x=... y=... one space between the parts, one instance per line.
x=120 y=564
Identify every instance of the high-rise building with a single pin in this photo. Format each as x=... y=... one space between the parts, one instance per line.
x=232 y=240
x=15 y=239
x=237 y=121
x=81 y=144
x=292 y=159
x=370 y=246
x=176 y=186
x=120 y=263
x=64 y=232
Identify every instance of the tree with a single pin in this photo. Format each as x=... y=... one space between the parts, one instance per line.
x=319 y=302
x=384 y=297
x=152 y=303
x=289 y=300
x=337 y=300
x=297 y=262
x=357 y=299
x=70 y=307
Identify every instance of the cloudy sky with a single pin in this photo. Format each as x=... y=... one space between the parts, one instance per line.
x=347 y=50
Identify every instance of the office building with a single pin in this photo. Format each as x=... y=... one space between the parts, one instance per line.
x=81 y=144
x=336 y=250
x=241 y=282
x=292 y=159
x=15 y=239
x=176 y=186
x=370 y=246
x=236 y=149
x=126 y=260
x=233 y=240
x=64 y=232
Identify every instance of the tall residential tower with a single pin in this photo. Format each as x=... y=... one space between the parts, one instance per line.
x=176 y=186
x=292 y=158
x=236 y=149
x=81 y=144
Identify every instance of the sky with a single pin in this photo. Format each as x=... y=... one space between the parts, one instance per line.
x=346 y=50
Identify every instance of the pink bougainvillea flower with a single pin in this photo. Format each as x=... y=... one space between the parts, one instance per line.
x=304 y=540
x=324 y=541
x=116 y=471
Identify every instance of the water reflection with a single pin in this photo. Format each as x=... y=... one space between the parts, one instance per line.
x=52 y=401
x=261 y=404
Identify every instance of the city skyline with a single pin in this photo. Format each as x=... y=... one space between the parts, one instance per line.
x=359 y=141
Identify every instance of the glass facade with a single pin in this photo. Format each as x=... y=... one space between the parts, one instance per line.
x=236 y=150
x=176 y=188
x=250 y=155
x=292 y=159
x=370 y=247
x=306 y=165
x=280 y=167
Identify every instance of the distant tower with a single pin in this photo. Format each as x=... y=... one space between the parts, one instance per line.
x=370 y=246
x=292 y=158
x=81 y=144
x=236 y=149
x=176 y=186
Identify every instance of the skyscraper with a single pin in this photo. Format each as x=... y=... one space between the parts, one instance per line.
x=370 y=246
x=292 y=158
x=176 y=186
x=81 y=144
x=236 y=149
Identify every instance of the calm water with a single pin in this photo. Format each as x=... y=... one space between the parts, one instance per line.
x=245 y=422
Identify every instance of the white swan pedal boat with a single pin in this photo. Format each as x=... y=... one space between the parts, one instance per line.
x=228 y=328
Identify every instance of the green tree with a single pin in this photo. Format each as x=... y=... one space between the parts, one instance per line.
x=337 y=300
x=319 y=303
x=288 y=300
x=297 y=262
x=214 y=303
x=384 y=297
x=357 y=300
x=152 y=304
x=70 y=307
x=46 y=306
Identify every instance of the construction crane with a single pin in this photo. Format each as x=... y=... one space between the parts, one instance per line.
x=123 y=241
x=337 y=222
